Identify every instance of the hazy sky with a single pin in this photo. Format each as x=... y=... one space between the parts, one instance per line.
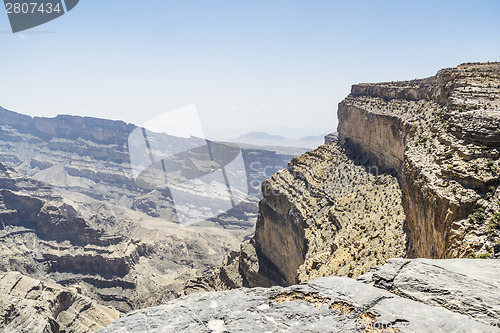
x=274 y=66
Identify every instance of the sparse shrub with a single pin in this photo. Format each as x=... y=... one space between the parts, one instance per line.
x=424 y=139
x=491 y=165
x=477 y=215
x=491 y=191
x=495 y=221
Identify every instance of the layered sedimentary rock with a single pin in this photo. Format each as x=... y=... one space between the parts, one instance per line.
x=29 y=305
x=413 y=171
x=325 y=214
x=73 y=211
x=441 y=136
x=339 y=304
x=41 y=236
x=46 y=236
x=92 y=156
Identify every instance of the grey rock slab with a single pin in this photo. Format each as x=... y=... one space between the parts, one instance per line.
x=333 y=304
x=466 y=286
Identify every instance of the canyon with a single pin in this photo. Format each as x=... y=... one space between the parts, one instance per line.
x=75 y=220
x=392 y=225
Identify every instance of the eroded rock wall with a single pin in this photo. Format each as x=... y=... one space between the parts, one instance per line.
x=381 y=137
x=30 y=305
x=325 y=214
x=440 y=134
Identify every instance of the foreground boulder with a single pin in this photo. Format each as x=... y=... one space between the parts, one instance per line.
x=465 y=286
x=454 y=296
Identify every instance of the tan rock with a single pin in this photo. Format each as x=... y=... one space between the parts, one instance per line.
x=30 y=305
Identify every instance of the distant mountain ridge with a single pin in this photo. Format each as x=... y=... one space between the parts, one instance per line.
x=260 y=136
x=266 y=139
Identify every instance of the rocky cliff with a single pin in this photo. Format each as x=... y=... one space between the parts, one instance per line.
x=413 y=172
x=42 y=236
x=441 y=135
x=29 y=305
x=90 y=156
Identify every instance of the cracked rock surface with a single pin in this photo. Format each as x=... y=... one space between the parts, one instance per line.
x=419 y=303
x=465 y=286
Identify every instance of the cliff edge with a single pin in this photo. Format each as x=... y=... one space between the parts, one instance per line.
x=413 y=173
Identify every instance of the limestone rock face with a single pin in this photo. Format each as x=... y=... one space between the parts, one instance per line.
x=338 y=304
x=325 y=214
x=331 y=137
x=29 y=305
x=441 y=137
